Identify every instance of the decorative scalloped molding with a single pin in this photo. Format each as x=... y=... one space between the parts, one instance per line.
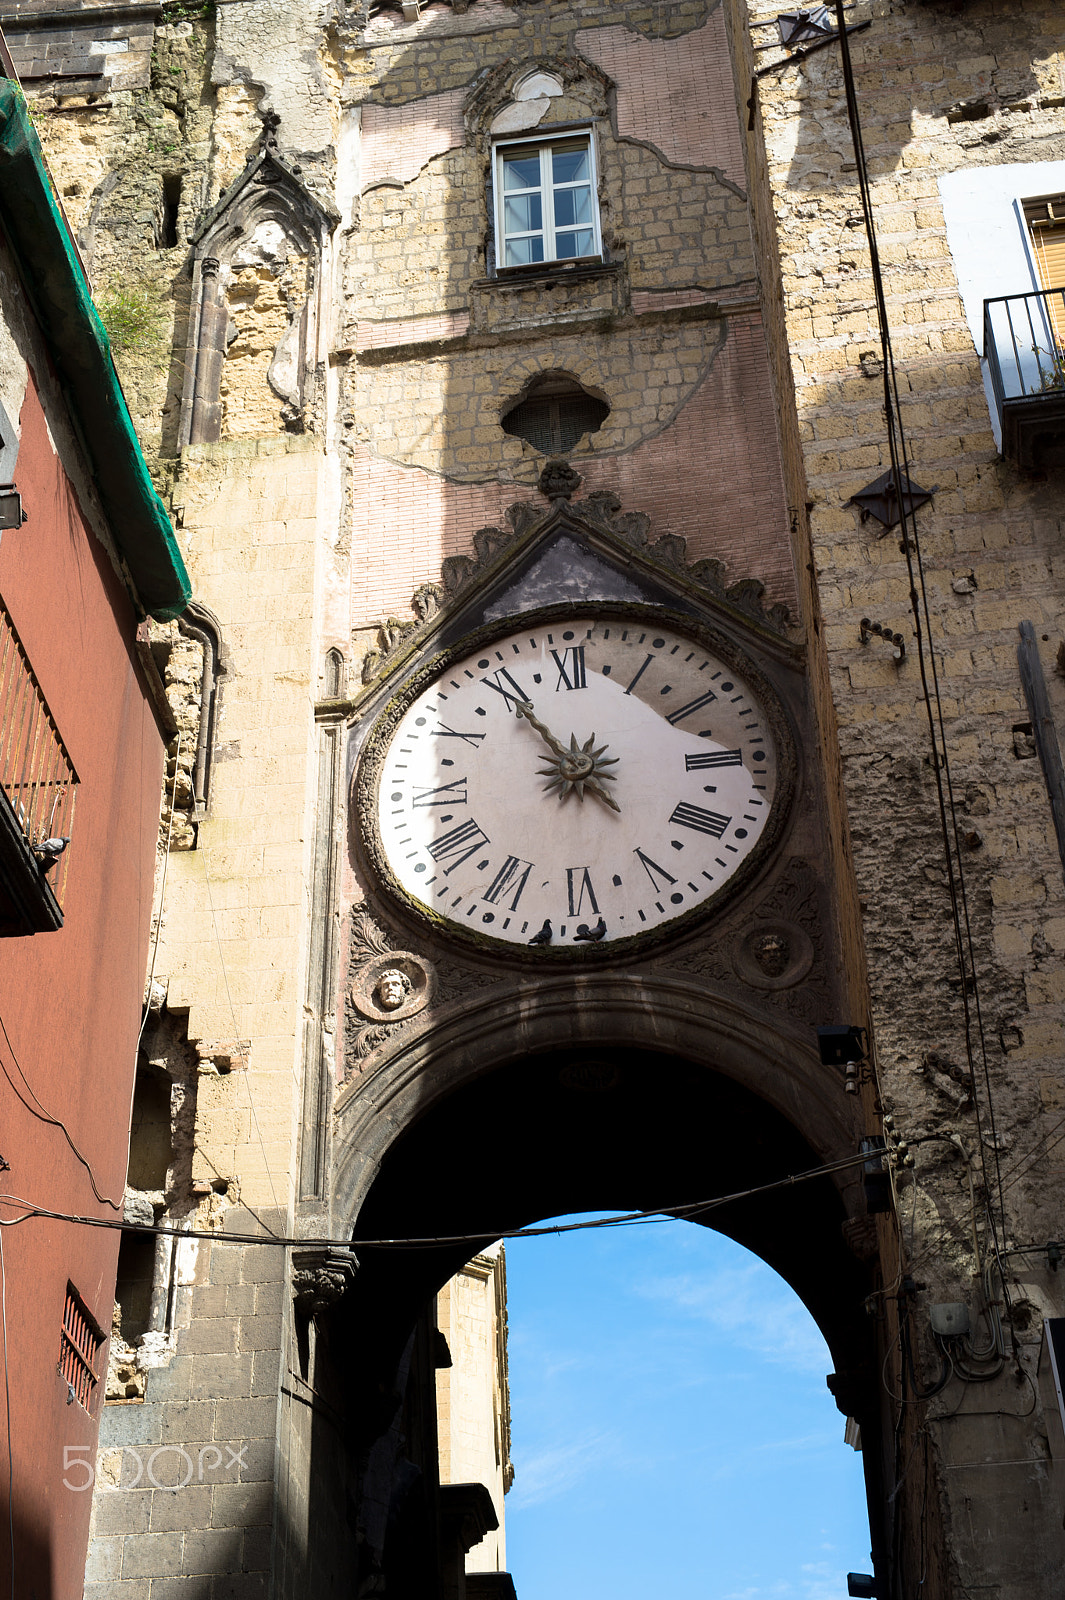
x=600 y=510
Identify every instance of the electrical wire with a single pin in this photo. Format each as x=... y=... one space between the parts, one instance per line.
x=669 y=1213
x=964 y=946
x=7 y=1413
x=236 y=1032
x=41 y=1112
x=1014 y=1171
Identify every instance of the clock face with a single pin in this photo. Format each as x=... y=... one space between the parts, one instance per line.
x=577 y=783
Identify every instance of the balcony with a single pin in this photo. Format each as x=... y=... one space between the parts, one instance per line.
x=1024 y=346
x=38 y=785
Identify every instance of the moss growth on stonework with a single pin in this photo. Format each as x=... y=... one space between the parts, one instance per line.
x=187 y=10
x=134 y=317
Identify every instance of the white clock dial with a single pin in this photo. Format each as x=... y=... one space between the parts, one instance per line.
x=578 y=783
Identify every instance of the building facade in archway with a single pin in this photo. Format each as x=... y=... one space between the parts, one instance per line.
x=558 y=748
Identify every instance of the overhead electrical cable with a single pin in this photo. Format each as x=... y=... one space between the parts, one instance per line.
x=900 y=462
x=41 y=1112
x=236 y=1030
x=691 y=1211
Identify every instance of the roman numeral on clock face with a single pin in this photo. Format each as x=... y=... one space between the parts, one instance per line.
x=689 y=816
x=458 y=845
x=514 y=696
x=714 y=758
x=658 y=875
x=639 y=674
x=512 y=875
x=693 y=705
x=446 y=794
x=571 y=669
x=579 y=884
x=444 y=732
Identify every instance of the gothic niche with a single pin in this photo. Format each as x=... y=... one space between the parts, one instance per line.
x=257 y=275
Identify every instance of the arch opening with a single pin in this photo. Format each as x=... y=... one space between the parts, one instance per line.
x=672 y=1431
x=566 y=1130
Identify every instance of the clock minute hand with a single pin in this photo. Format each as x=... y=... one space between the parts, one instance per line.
x=576 y=767
x=524 y=708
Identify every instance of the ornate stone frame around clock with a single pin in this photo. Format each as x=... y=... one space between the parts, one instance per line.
x=367 y=783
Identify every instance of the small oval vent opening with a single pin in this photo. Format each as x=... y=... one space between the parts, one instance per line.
x=554 y=414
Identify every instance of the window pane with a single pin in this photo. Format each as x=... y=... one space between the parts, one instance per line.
x=521 y=172
x=573 y=206
x=520 y=252
x=579 y=243
x=522 y=214
x=569 y=165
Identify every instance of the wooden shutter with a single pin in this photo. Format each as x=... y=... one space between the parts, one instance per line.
x=1046 y=223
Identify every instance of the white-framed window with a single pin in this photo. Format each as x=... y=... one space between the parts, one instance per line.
x=545 y=200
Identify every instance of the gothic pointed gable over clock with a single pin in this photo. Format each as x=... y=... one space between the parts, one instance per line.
x=581 y=745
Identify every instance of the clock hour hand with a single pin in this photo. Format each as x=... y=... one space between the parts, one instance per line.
x=575 y=767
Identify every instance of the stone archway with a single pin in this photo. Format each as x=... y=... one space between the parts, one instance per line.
x=615 y=1092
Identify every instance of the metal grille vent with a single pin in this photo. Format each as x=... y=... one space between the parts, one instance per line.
x=553 y=419
x=78 y=1348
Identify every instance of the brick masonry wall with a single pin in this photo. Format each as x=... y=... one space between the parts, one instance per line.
x=398 y=141
x=675 y=94
x=234 y=937
x=985 y=519
x=231 y=961
x=691 y=437
x=718 y=486
x=91 y=58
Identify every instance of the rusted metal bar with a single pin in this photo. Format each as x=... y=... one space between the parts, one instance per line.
x=36 y=772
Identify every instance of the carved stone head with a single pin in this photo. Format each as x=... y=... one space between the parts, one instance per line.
x=772 y=953
x=393 y=987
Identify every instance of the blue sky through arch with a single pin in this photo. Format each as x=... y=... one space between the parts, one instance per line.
x=673 y=1435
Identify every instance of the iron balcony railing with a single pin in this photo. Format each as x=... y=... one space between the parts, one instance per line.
x=36 y=773
x=1024 y=345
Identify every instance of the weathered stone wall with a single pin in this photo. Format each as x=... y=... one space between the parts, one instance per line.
x=730 y=330
x=185 y=1476
x=473 y=1395
x=229 y=967
x=135 y=167
x=938 y=92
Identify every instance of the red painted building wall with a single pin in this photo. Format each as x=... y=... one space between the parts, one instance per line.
x=70 y=1003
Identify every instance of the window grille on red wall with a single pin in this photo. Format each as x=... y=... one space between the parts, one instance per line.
x=36 y=773
x=78 y=1349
